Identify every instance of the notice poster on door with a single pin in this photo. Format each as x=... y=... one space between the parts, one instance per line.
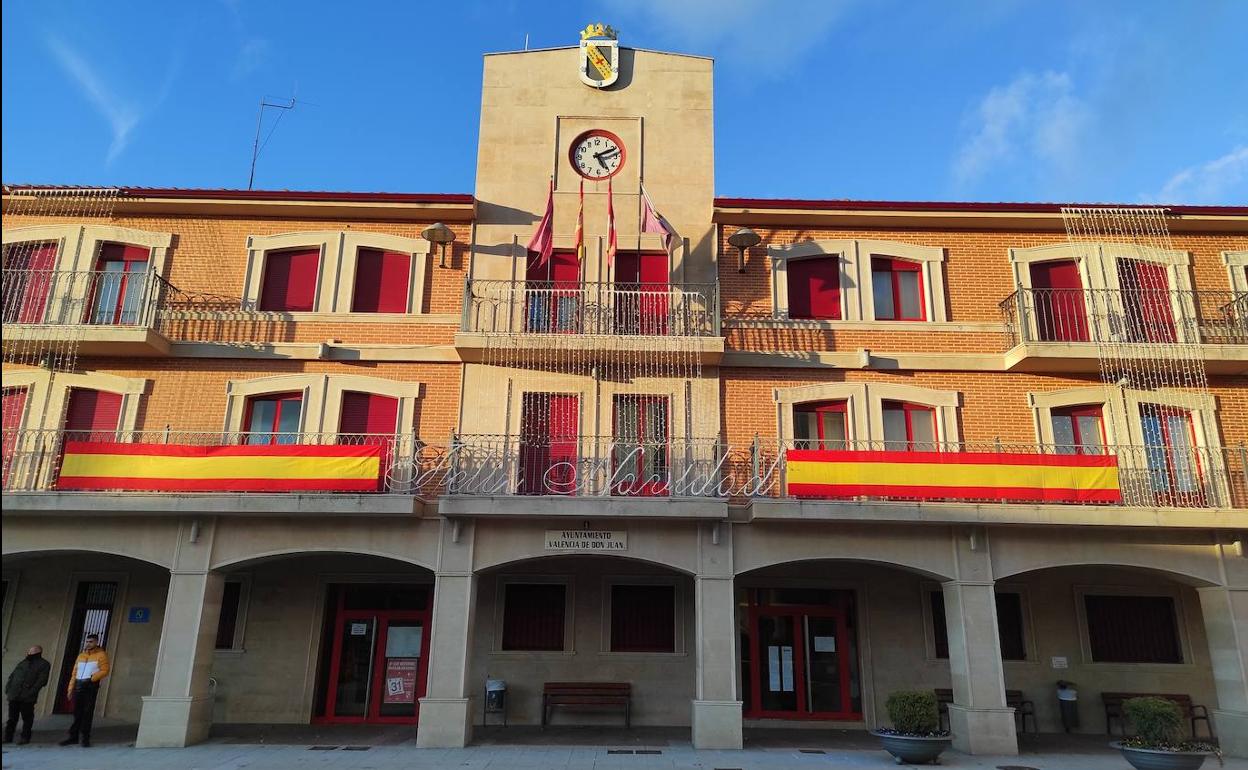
x=780 y=668
x=401 y=680
x=786 y=668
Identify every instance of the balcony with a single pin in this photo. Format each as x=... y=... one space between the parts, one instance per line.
x=592 y=477
x=101 y=312
x=1065 y=330
x=529 y=316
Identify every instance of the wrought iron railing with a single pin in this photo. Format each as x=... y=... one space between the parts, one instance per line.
x=569 y=307
x=82 y=297
x=1124 y=316
x=589 y=466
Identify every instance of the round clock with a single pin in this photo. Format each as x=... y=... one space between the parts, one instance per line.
x=597 y=154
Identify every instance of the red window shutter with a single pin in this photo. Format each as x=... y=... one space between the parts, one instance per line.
x=92 y=415
x=28 y=278
x=290 y=280
x=368 y=413
x=815 y=288
x=548 y=443
x=1146 y=301
x=1060 y=308
x=381 y=281
x=647 y=268
x=533 y=616
x=643 y=618
x=14 y=405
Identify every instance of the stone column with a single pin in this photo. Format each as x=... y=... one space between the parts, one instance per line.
x=1225 y=611
x=445 y=711
x=179 y=710
x=979 y=719
x=716 y=709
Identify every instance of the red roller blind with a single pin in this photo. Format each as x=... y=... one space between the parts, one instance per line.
x=381 y=281
x=290 y=280
x=28 y=278
x=1060 y=307
x=122 y=252
x=815 y=288
x=533 y=616
x=92 y=415
x=368 y=413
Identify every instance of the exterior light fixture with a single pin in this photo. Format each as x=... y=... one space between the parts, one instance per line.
x=441 y=235
x=743 y=239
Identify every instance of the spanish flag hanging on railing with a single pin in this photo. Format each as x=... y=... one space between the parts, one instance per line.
x=187 y=468
x=823 y=473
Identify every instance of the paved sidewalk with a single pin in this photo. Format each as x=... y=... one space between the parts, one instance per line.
x=221 y=754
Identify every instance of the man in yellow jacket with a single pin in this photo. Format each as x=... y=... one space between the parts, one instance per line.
x=90 y=668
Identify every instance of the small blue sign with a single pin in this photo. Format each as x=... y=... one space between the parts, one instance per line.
x=140 y=614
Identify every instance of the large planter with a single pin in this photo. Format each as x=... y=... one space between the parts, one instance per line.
x=913 y=749
x=1157 y=759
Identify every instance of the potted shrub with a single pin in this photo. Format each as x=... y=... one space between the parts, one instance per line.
x=915 y=737
x=1158 y=742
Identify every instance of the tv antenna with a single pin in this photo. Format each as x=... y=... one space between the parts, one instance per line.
x=256 y=147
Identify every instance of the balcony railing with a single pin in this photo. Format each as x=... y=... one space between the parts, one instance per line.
x=82 y=298
x=566 y=307
x=1122 y=316
x=586 y=466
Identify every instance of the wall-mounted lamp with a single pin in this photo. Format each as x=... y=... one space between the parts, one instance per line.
x=743 y=239
x=441 y=235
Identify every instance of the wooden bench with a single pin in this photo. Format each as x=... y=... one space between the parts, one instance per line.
x=1023 y=708
x=587 y=695
x=1192 y=712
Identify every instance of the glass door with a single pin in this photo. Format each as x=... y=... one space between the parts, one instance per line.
x=801 y=664
x=378 y=667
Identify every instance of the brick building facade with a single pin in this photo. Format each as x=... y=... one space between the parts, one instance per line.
x=750 y=483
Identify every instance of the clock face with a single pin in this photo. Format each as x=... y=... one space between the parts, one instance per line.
x=597 y=154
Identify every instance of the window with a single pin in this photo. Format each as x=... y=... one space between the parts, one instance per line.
x=228 y=622
x=29 y=272
x=1010 y=631
x=820 y=425
x=1078 y=430
x=909 y=427
x=548 y=443
x=381 y=281
x=815 y=288
x=1169 y=448
x=897 y=288
x=533 y=616
x=643 y=618
x=368 y=417
x=1132 y=629
x=273 y=419
x=1148 y=315
x=641 y=445
x=289 y=282
x=117 y=294
x=92 y=415
x=14 y=406
x=553 y=295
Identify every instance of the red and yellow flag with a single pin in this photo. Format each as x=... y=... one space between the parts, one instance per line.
x=580 y=225
x=953 y=475
x=186 y=468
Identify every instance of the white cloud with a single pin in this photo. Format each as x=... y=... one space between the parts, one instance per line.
x=766 y=35
x=121 y=116
x=250 y=57
x=1036 y=118
x=1222 y=180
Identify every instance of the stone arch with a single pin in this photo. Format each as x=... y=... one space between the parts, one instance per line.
x=242 y=561
x=549 y=558
x=119 y=550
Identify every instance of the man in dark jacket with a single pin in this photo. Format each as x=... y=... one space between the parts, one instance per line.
x=28 y=678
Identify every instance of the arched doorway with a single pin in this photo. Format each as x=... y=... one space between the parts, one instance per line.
x=322 y=637
x=826 y=640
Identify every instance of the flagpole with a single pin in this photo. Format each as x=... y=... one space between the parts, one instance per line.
x=641 y=190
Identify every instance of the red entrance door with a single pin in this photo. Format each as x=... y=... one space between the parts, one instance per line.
x=800 y=661
x=549 y=444
x=378 y=667
x=641 y=289
x=553 y=294
x=1060 y=308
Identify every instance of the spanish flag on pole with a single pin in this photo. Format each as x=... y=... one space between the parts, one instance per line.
x=612 y=243
x=580 y=225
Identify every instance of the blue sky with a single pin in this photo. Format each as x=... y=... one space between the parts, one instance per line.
x=1131 y=102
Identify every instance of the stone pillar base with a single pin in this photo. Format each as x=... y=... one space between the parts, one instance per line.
x=445 y=723
x=173 y=722
x=717 y=724
x=983 y=731
x=1232 y=732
